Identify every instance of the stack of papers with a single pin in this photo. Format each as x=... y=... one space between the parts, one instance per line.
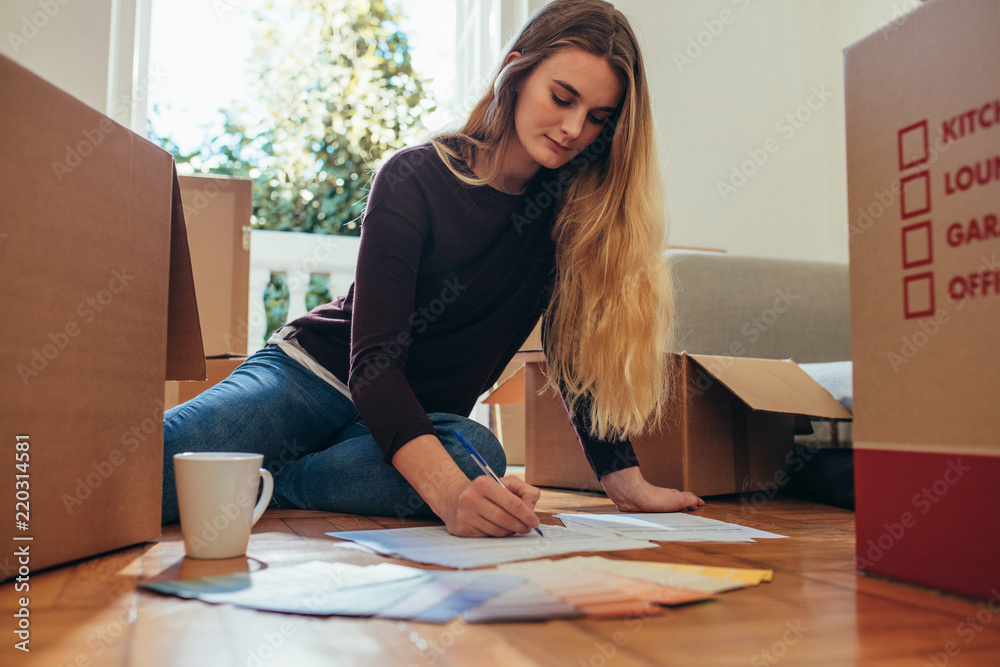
x=534 y=589
x=434 y=545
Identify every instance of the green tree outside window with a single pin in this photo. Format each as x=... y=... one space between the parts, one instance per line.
x=319 y=290
x=333 y=92
x=275 y=303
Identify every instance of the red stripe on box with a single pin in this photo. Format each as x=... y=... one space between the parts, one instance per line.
x=930 y=519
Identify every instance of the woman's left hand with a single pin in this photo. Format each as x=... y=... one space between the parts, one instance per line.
x=630 y=492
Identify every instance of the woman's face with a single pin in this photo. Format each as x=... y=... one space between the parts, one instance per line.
x=562 y=106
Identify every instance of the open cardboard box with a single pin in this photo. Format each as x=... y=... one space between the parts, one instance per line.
x=730 y=427
x=923 y=163
x=508 y=416
x=98 y=288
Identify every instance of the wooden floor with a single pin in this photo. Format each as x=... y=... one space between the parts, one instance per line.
x=816 y=611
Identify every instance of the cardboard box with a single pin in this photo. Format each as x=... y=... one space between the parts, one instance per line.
x=508 y=407
x=97 y=283
x=508 y=419
x=217 y=210
x=217 y=370
x=730 y=427
x=923 y=157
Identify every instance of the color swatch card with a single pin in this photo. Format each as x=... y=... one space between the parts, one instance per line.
x=316 y=587
x=450 y=594
x=751 y=577
x=666 y=577
x=689 y=577
x=599 y=593
x=324 y=589
x=527 y=602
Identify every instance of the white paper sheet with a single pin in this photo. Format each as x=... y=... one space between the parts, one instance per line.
x=433 y=544
x=669 y=527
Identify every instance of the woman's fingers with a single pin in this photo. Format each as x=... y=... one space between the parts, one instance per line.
x=528 y=494
x=518 y=500
x=489 y=508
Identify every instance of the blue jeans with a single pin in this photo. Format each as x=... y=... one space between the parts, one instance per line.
x=312 y=438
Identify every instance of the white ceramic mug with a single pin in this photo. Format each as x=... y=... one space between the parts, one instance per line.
x=215 y=494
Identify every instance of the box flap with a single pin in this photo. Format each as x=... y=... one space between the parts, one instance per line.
x=185 y=351
x=773 y=385
x=510 y=391
x=217 y=216
x=534 y=340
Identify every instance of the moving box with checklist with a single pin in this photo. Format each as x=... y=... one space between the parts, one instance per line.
x=923 y=157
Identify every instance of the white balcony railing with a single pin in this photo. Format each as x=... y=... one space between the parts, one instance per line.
x=297 y=256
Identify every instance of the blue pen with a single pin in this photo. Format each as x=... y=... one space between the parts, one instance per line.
x=481 y=462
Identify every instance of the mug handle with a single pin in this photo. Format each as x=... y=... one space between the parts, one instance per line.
x=265 y=496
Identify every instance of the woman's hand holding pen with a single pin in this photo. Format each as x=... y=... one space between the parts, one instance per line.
x=476 y=508
x=483 y=508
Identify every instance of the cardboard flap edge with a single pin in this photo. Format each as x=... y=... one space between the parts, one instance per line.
x=510 y=391
x=810 y=398
x=185 y=351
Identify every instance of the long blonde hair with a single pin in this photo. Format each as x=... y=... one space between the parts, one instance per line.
x=607 y=324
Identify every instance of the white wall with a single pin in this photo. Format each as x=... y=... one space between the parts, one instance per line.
x=724 y=74
x=96 y=50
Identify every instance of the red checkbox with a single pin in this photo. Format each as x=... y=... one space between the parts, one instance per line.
x=918 y=246
x=916 y=194
x=913 y=145
x=918 y=295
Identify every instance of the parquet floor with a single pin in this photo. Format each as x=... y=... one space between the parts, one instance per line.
x=816 y=611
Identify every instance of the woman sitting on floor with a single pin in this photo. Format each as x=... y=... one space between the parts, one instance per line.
x=546 y=203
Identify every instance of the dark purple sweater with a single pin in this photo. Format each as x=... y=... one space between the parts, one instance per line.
x=450 y=281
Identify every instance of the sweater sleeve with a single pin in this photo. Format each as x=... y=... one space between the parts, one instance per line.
x=604 y=456
x=393 y=235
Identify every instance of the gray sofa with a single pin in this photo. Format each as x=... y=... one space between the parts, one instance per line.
x=765 y=308
x=776 y=309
